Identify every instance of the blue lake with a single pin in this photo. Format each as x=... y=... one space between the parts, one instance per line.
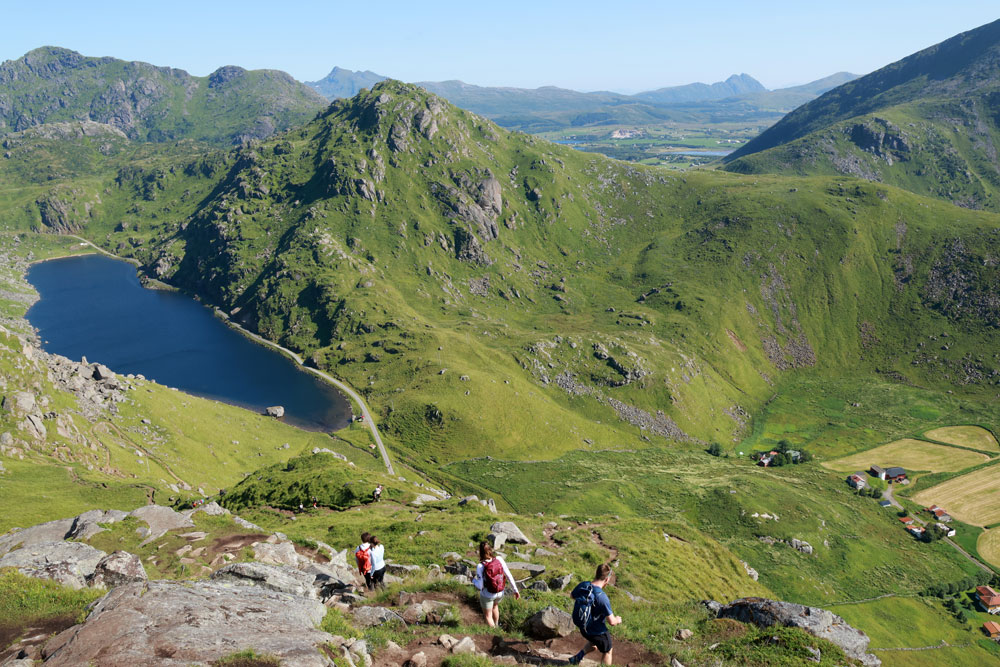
x=94 y=306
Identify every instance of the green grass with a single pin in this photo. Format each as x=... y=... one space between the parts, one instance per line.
x=26 y=602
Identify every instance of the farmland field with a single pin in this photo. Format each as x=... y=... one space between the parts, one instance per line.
x=966 y=436
x=989 y=546
x=910 y=454
x=972 y=498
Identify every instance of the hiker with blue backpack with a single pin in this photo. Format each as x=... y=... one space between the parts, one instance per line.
x=592 y=614
x=491 y=578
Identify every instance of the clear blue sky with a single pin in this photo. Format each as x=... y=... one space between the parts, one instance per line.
x=622 y=45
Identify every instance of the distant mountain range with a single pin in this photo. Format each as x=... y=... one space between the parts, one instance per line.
x=550 y=107
x=150 y=103
x=929 y=123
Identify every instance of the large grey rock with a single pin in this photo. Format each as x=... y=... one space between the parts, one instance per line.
x=117 y=569
x=497 y=540
x=550 y=623
x=272 y=577
x=69 y=563
x=818 y=622
x=240 y=521
x=331 y=576
x=367 y=617
x=87 y=524
x=560 y=583
x=401 y=570
x=465 y=646
x=276 y=411
x=513 y=533
x=176 y=624
x=19 y=403
x=212 y=509
x=282 y=553
x=160 y=519
x=52 y=531
x=533 y=568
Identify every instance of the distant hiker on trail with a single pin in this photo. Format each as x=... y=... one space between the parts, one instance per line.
x=491 y=578
x=377 y=494
x=370 y=555
x=591 y=608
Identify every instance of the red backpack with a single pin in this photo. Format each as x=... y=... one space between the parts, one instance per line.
x=364 y=557
x=493 y=579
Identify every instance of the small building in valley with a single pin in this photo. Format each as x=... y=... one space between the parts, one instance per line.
x=947 y=530
x=857 y=481
x=939 y=513
x=876 y=471
x=894 y=474
x=884 y=503
x=917 y=531
x=906 y=520
x=992 y=628
x=988 y=599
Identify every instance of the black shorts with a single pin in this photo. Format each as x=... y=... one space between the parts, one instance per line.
x=601 y=641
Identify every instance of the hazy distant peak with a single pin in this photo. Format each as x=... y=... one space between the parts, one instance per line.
x=340 y=83
x=735 y=85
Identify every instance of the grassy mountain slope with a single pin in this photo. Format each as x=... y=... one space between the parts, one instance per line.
x=150 y=103
x=586 y=290
x=926 y=123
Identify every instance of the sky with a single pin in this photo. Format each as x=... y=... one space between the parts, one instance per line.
x=624 y=46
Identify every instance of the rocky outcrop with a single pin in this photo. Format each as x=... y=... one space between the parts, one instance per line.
x=367 y=617
x=271 y=577
x=69 y=563
x=184 y=623
x=118 y=569
x=511 y=532
x=160 y=519
x=817 y=622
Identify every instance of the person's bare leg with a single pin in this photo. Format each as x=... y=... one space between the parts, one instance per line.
x=496 y=616
x=607 y=657
x=488 y=615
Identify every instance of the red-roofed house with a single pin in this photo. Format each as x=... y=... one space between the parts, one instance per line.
x=856 y=481
x=906 y=520
x=989 y=599
x=992 y=628
x=941 y=515
x=916 y=530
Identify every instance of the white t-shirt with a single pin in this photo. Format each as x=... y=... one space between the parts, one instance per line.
x=477 y=581
x=378 y=557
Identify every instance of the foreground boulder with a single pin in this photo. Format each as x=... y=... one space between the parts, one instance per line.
x=272 y=577
x=117 y=569
x=51 y=531
x=183 y=623
x=550 y=623
x=512 y=532
x=817 y=622
x=69 y=563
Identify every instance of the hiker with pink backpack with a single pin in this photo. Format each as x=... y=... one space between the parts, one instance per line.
x=491 y=579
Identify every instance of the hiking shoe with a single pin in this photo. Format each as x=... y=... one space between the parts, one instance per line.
x=576 y=659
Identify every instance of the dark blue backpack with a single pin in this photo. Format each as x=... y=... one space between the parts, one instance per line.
x=583 y=605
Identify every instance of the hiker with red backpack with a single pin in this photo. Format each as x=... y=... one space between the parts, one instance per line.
x=370 y=555
x=591 y=608
x=491 y=578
